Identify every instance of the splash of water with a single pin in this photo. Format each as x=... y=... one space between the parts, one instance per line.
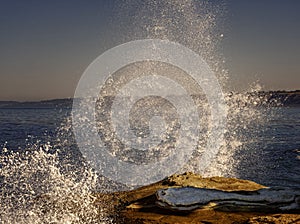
x=197 y=25
x=34 y=190
x=37 y=187
x=194 y=24
x=248 y=113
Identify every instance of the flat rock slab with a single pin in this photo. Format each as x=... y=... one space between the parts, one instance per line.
x=140 y=205
x=189 y=179
x=220 y=183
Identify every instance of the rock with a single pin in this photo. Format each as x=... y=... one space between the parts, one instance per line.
x=140 y=205
x=189 y=179
x=190 y=198
x=275 y=219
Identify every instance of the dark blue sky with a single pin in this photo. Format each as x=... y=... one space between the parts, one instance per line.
x=263 y=42
x=46 y=45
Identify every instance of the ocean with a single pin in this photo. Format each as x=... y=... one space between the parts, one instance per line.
x=39 y=156
x=270 y=157
x=44 y=175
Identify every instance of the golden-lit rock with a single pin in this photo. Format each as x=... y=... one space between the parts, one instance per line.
x=140 y=205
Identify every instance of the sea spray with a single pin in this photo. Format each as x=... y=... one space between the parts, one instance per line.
x=200 y=26
x=248 y=114
x=52 y=183
x=34 y=190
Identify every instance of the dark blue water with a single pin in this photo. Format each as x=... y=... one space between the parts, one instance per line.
x=272 y=157
x=19 y=128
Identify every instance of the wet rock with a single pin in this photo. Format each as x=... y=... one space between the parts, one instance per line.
x=140 y=205
x=268 y=200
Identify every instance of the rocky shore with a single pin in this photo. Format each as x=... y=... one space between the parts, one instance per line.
x=143 y=205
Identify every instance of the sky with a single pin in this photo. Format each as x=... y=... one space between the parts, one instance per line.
x=45 y=46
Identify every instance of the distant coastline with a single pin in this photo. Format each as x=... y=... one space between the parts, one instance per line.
x=285 y=98
x=281 y=97
x=44 y=104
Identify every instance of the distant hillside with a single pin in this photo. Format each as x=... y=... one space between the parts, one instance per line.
x=58 y=103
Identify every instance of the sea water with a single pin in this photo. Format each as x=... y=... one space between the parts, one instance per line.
x=45 y=179
x=270 y=155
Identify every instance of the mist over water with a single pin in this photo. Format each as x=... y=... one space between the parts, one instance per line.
x=49 y=181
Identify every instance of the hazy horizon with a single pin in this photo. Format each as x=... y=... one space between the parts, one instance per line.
x=46 y=46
